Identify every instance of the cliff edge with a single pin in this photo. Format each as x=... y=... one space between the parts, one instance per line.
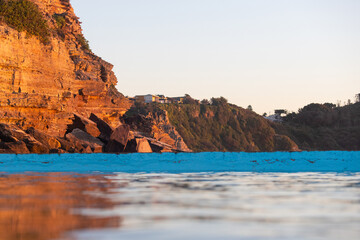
x=45 y=79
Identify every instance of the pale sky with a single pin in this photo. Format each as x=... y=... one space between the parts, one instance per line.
x=270 y=54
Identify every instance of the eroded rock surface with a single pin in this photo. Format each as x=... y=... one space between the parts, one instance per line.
x=42 y=85
x=156 y=126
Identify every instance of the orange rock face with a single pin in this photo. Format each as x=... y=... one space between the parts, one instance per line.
x=41 y=86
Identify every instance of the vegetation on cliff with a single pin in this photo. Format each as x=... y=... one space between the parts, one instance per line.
x=323 y=127
x=83 y=42
x=217 y=125
x=24 y=15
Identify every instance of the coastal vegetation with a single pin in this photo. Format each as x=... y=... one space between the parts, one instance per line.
x=83 y=42
x=24 y=15
x=216 y=125
x=323 y=127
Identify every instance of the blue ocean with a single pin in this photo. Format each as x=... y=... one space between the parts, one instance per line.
x=251 y=196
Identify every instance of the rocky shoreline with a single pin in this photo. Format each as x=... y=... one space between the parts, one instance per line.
x=83 y=135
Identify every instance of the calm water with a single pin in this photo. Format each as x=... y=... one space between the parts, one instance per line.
x=200 y=205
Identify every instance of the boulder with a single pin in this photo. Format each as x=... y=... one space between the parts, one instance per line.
x=143 y=145
x=78 y=136
x=6 y=134
x=85 y=125
x=121 y=134
x=118 y=140
x=139 y=145
x=37 y=147
x=14 y=147
x=14 y=139
x=68 y=146
x=48 y=141
x=105 y=129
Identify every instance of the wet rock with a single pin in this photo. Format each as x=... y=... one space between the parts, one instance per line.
x=85 y=125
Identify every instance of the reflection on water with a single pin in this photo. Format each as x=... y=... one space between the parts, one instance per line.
x=180 y=206
x=40 y=206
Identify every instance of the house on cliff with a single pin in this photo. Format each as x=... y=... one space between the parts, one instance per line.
x=149 y=98
x=278 y=116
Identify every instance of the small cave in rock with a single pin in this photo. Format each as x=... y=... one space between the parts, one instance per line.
x=103 y=74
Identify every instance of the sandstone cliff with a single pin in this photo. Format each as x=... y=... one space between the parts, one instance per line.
x=42 y=85
x=56 y=96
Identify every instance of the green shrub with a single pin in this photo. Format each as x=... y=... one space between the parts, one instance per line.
x=60 y=20
x=23 y=15
x=83 y=42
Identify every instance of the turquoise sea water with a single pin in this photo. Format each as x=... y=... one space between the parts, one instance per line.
x=307 y=195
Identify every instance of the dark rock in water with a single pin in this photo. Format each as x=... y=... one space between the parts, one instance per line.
x=78 y=136
x=48 y=141
x=105 y=129
x=85 y=125
x=14 y=147
x=121 y=134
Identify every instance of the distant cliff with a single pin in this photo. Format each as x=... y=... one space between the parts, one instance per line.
x=218 y=126
x=323 y=127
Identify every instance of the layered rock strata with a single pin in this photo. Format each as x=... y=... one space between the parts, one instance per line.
x=41 y=86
